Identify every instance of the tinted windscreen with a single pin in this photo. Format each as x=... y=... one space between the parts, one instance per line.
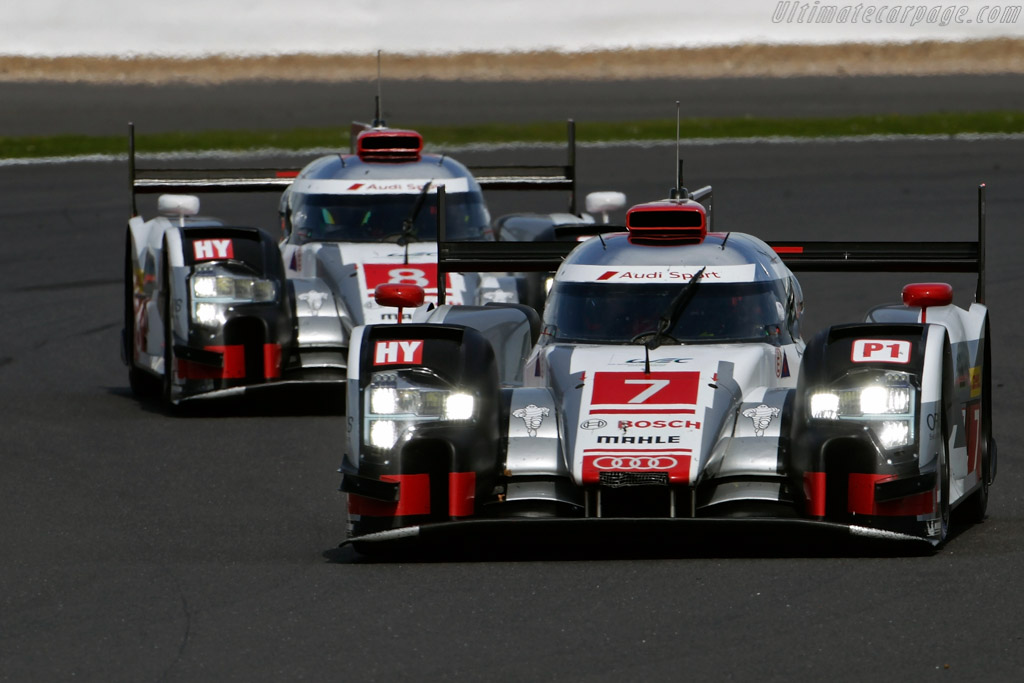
x=377 y=218
x=617 y=313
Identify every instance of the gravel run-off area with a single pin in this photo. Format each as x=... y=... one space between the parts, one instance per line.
x=995 y=56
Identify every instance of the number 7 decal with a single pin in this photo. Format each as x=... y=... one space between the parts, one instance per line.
x=654 y=386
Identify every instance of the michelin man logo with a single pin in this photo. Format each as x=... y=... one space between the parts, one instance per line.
x=762 y=417
x=533 y=416
x=313 y=299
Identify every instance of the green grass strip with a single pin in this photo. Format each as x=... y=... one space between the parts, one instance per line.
x=586 y=131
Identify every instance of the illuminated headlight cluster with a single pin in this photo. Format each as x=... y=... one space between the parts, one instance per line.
x=213 y=288
x=394 y=405
x=886 y=401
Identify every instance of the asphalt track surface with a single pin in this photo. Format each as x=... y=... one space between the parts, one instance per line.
x=139 y=545
x=54 y=108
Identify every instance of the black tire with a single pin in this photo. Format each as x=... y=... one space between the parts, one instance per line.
x=943 y=459
x=975 y=508
x=142 y=384
x=944 y=515
x=165 y=313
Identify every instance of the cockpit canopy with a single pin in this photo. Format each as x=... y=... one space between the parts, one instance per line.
x=349 y=217
x=346 y=198
x=719 y=312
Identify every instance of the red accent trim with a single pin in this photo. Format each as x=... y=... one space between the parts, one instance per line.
x=643 y=411
x=233 y=368
x=814 y=492
x=461 y=494
x=413 y=498
x=861 y=499
x=287 y=174
x=609 y=274
x=271 y=361
x=788 y=250
x=638 y=450
x=973 y=420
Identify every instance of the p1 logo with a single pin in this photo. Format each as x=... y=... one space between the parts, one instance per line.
x=880 y=351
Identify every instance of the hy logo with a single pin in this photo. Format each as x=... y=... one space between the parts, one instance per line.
x=206 y=250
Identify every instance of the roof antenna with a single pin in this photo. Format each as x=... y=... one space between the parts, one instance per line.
x=678 y=192
x=679 y=165
x=378 y=120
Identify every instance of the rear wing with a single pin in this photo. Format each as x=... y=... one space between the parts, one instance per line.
x=816 y=256
x=522 y=177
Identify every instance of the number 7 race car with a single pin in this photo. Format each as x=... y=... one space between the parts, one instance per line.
x=669 y=384
x=214 y=310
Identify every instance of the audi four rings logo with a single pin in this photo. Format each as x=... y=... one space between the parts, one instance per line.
x=593 y=424
x=611 y=462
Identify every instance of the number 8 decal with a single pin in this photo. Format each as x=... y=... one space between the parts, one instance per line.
x=413 y=276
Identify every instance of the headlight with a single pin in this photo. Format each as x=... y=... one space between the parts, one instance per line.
x=215 y=287
x=458 y=406
x=233 y=288
x=886 y=401
x=395 y=404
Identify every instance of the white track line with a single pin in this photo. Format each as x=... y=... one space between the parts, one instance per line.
x=501 y=146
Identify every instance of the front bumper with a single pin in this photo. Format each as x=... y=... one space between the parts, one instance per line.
x=700 y=536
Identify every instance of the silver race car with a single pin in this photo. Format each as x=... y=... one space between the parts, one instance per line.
x=212 y=309
x=669 y=383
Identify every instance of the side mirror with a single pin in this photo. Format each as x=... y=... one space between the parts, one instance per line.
x=177 y=205
x=399 y=295
x=603 y=202
x=926 y=294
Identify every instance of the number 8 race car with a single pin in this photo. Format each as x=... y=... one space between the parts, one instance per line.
x=214 y=310
x=669 y=384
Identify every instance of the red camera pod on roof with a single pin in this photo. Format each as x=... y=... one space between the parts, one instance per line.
x=389 y=144
x=669 y=221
